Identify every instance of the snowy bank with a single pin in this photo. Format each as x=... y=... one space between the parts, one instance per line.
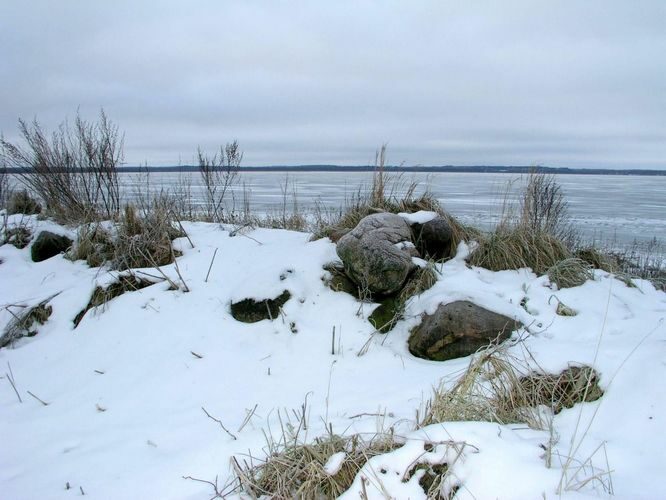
x=126 y=390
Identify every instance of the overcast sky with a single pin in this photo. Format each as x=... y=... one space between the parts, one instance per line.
x=579 y=83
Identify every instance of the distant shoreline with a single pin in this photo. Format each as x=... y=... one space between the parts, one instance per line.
x=485 y=169
x=416 y=169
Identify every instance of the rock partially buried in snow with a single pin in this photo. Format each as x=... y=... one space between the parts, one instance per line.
x=49 y=244
x=251 y=311
x=458 y=329
x=433 y=238
x=370 y=254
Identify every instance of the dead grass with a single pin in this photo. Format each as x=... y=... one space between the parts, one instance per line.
x=18 y=236
x=298 y=471
x=598 y=259
x=570 y=272
x=22 y=323
x=102 y=295
x=515 y=247
x=499 y=387
x=145 y=241
x=94 y=244
x=21 y=202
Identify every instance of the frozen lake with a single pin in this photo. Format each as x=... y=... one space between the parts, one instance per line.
x=604 y=207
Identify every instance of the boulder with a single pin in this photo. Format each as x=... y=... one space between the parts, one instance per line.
x=458 y=329
x=49 y=244
x=372 y=255
x=433 y=238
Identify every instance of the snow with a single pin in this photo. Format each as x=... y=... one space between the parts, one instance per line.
x=125 y=392
x=334 y=463
x=420 y=217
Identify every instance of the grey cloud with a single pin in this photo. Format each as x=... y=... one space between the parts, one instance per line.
x=516 y=82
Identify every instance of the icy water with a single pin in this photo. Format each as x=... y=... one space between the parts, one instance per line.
x=605 y=208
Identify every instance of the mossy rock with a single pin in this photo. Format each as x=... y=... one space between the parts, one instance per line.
x=252 y=311
x=385 y=317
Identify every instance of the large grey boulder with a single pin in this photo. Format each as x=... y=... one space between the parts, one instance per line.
x=458 y=329
x=372 y=254
x=47 y=245
x=433 y=238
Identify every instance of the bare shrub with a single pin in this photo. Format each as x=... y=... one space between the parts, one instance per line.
x=219 y=173
x=74 y=171
x=5 y=190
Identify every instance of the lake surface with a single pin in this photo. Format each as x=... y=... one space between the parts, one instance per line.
x=605 y=208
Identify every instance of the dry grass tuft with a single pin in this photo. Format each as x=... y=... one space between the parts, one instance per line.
x=576 y=384
x=421 y=280
x=22 y=203
x=569 y=273
x=22 y=324
x=145 y=241
x=598 y=259
x=498 y=387
x=298 y=470
x=101 y=296
x=19 y=236
x=94 y=244
x=539 y=237
x=515 y=247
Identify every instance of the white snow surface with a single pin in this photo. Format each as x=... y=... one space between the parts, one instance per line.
x=420 y=217
x=125 y=392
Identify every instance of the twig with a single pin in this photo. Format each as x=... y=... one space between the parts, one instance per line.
x=238 y=229
x=218 y=494
x=43 y=402
x=10 y=377
x=175 y=287
x=333 y=342
x=248 y=417
x=99 y=371
x=211 y=265
x=181 y=228
x=219 y=422
x=196 y=355
x=368 y=415
x=161 y=278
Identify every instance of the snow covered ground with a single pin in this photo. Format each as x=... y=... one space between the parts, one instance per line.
x=126 y=389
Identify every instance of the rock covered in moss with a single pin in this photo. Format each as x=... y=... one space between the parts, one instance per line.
x=251 y=311
x=372 y=255
x=458 y=329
